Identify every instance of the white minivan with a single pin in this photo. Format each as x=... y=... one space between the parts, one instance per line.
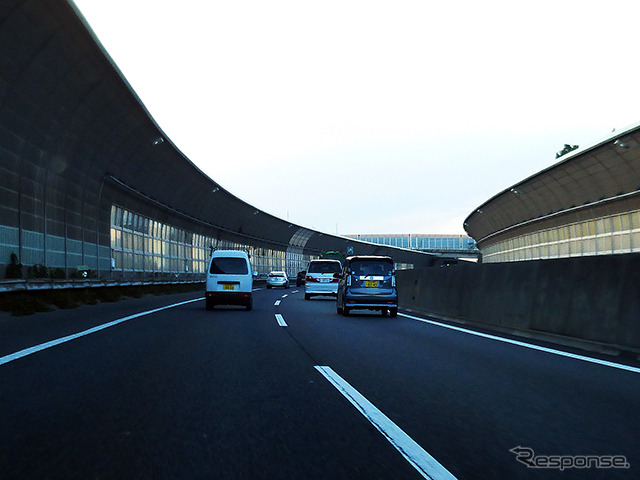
x=321 y=278
x=229 y=279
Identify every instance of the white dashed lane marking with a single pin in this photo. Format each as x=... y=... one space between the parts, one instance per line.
x=424 y=463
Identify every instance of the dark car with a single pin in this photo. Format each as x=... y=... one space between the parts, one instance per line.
x=368 y=282
x=300 y=278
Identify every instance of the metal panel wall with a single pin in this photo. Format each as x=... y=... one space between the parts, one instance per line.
x=76 y=140
x=598 y=182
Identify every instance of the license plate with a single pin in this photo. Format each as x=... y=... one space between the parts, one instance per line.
x=325 y=280
x=371 y=283
x=228 y=287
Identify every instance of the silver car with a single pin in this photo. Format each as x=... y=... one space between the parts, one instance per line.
x=320 y=278
x=277 y=279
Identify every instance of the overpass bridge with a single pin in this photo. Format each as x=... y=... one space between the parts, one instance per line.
x=454 y=253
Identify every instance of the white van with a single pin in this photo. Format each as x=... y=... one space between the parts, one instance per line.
x=229 y=279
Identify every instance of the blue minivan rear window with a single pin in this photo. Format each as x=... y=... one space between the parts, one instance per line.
x=379 y=268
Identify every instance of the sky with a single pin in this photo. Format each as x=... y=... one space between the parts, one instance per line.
x=374 y=116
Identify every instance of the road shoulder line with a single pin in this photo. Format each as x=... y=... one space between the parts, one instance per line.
x=532 y=346
x=43 y=346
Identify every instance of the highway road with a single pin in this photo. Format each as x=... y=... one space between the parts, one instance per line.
x=293 y=390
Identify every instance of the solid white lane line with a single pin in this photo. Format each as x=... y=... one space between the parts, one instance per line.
x=280 y=320
x=526 y=345
x=277 y=303
x=68 y=338
x=424 y=463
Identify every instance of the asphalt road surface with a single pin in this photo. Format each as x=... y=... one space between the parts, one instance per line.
x=293 y=390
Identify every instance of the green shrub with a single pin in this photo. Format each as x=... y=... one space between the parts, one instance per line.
x=57 y=274
x=28 y=303
x=14 y=269
x=63 y=299
x=109 y=294
x=23 y=304
x=38 y=271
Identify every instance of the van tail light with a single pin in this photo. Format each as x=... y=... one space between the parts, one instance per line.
x=335 y=280
x=348 y=280
x=311 y=279
x=393 y=281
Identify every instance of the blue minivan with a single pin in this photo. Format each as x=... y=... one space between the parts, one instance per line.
x=368 y=282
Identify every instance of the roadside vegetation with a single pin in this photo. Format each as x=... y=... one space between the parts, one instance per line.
x=30 y=302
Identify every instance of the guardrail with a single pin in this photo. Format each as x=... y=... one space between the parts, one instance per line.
x=24 y=285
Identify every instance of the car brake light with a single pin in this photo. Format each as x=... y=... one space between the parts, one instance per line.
x=312 y=279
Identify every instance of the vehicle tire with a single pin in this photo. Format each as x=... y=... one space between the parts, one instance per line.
x=307 y=296
x=268 y=286
x=249 y=305
x=339 y=309
x=208 y=304
x=345 y=311
x=393 y=312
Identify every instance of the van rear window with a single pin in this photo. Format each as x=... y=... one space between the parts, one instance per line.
x=324 y=267
x=229 y=266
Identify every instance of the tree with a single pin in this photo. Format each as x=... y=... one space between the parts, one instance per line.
x=14 y=269
x=567 y=148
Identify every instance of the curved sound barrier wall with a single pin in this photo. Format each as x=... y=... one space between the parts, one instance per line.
x=88 y=179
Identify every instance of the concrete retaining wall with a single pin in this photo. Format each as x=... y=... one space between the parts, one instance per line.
x=596 y=299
